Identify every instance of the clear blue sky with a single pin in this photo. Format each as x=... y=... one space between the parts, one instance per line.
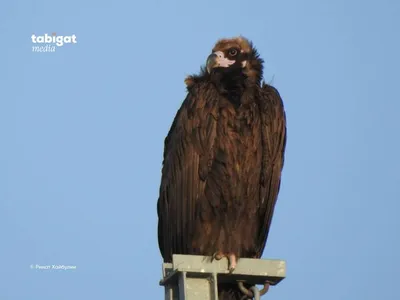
x=82 y=131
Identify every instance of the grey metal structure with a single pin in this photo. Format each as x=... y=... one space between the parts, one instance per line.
x=192 y=277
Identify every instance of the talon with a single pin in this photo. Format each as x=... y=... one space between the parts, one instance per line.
x=232 y=262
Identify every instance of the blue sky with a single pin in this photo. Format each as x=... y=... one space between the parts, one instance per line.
x=82 y=131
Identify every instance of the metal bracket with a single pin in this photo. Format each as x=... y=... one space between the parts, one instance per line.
x=193 y=277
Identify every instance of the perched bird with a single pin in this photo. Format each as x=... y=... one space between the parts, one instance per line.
x=223 y=159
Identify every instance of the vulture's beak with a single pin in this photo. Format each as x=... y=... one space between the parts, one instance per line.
x=211 y=62
x=218 y=59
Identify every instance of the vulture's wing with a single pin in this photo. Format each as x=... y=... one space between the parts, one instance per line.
x=273 y=126
x=188 y=153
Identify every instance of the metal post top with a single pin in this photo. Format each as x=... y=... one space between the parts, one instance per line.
x=249 y=270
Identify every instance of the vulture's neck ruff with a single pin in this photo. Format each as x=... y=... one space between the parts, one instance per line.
x=230 y=82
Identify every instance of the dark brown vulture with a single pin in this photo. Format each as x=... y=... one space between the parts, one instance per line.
x=223 y=160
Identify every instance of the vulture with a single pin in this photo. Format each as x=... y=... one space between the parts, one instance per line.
x=222 y=162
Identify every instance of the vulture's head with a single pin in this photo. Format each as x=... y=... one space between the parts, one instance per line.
x=232 y=57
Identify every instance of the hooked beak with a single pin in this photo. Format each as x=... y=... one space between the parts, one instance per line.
x=211 y=62
x=218 y=59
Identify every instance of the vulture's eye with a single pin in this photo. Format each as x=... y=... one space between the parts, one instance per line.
x=232 y=52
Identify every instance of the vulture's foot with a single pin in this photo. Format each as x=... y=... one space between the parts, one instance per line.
x=231 y=259
x=217 y=256
x=232 y=262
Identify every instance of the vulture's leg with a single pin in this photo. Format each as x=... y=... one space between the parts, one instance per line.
x=232 y=262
